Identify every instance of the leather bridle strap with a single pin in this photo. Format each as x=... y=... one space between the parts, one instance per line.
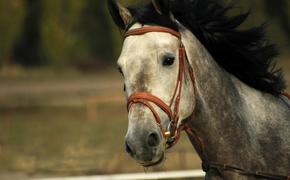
x=286 y=95
x=147 y=29
x=171 y=134
x=145 y=96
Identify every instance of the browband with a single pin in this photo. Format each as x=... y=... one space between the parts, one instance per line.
x=147 y=29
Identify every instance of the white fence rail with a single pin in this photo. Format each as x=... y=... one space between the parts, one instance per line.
x=138 y=176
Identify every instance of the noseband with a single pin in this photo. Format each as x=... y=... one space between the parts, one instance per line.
x=171 y=133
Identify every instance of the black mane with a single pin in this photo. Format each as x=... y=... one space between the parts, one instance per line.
x=247 y=54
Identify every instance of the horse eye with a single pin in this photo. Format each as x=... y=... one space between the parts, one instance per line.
x=168 y=61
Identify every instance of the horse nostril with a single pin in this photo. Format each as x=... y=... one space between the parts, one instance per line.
x=153 y=140
x=129 y=149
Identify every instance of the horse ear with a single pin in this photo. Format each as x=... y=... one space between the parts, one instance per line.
x=162 y=6
x=121 y=15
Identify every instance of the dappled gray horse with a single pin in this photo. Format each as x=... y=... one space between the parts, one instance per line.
x=186 y=66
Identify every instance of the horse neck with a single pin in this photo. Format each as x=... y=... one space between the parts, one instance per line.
x=236 y=124
x=219 y=115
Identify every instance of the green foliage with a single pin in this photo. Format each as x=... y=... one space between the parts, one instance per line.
x=59 y=33
x=11 y=18
x=58 y=29
x=75 y=32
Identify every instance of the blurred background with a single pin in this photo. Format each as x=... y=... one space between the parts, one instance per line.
x=62 y=110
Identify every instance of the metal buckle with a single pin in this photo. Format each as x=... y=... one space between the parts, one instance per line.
x=170 y=133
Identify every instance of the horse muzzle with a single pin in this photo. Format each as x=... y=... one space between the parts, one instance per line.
x=145 y=147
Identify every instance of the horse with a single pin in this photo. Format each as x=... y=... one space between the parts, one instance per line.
x=187 y=65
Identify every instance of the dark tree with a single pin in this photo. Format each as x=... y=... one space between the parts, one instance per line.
x=97 y=30
x=28 y=47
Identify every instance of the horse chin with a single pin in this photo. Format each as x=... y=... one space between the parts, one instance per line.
x=159 y=161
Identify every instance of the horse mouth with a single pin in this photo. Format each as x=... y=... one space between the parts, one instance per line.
x=155 y=163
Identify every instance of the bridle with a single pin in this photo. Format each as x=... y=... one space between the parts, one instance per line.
x=172 y=133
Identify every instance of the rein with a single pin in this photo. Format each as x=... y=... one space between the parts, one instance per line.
x=172 y=133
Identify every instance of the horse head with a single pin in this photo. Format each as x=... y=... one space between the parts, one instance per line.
x=158 y=85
